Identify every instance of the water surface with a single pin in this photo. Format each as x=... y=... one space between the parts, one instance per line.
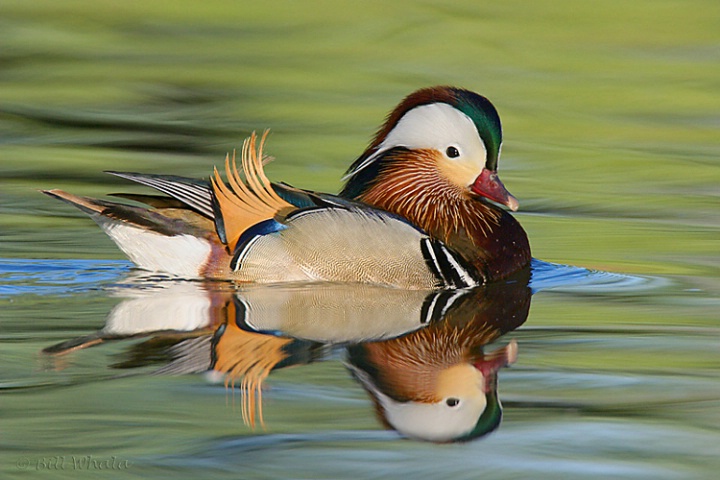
x=610 y=113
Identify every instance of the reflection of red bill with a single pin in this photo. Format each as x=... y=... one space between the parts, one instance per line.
x=491 y=363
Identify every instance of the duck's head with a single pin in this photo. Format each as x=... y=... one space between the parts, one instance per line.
x=436 y=136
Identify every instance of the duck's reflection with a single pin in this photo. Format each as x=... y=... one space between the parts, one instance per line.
x=437 y=383
x=418 y=354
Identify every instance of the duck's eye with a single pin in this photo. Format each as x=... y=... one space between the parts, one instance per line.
x=452 y=152
x=452 y=402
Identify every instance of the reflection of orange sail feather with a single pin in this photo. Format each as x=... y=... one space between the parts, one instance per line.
x=249 y=357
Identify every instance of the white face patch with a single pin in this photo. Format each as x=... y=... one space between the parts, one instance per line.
x=439 y=126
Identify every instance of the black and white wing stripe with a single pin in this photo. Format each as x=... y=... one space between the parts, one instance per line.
x=196 y=194
x=449 y=268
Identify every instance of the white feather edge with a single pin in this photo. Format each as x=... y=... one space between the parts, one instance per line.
x=179 y=255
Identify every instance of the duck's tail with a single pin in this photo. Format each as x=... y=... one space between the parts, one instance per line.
x=168 y=237
x=238 y=204
x=193 y=232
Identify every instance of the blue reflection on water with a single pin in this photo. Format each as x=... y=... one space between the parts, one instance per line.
x=566 y=278
x=22 y=276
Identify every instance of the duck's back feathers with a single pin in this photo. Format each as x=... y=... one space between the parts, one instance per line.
x=155 y=201
x=195 y=194
x=165 y=220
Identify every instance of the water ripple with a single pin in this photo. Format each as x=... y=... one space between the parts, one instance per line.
x=567 y=278
x=22 y=276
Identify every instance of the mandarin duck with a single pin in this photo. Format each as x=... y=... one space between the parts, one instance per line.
x=418 y=210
